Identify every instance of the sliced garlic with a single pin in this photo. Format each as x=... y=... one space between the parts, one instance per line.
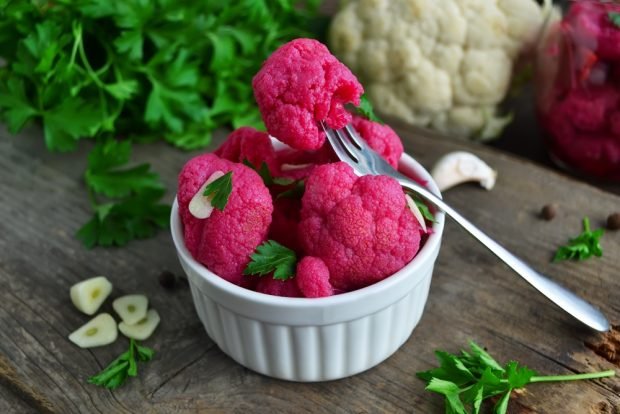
x=416 y=211
x=131 y=308
x=99 y=331
x=89 y=294
x=458 y=167
x=143 y=329
x=200 y=206
x=293 y=167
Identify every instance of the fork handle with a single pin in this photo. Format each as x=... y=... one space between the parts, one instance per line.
x=558 y=294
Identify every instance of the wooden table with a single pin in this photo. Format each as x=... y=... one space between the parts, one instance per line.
x=473 y=297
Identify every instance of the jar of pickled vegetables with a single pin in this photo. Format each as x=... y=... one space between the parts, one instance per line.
x=578 y=88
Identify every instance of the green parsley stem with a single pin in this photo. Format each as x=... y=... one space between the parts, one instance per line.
x=586 y=224
x=89 y=70
x=574 y=377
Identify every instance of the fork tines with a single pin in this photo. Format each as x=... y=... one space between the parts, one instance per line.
x=345 y=142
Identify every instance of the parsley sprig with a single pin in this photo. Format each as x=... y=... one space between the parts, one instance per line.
x=582 y=247
x=466 y=380
x=614 y=17
x=422 y=206
x=265 y=174
x=126 y=365
x=271 y=256
x=219 y=191
x=295 y=188
x=139 y=71
x=366 y=110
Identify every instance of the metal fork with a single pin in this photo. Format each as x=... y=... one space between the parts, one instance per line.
x=353 y=150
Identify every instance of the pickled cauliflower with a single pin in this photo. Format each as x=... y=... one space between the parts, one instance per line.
x=438 y=64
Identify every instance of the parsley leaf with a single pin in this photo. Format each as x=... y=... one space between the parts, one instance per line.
x=366 y=110
x=614 y=17
x=426 y=212
x=118 y=222
x=219 y=191
x=451 y=391
x=17 y=107
x=126 y=202
x=271 y=256
x=582 y=247
x=296 y=191
x=264 y=173
x=466 y=380
x=115 y=374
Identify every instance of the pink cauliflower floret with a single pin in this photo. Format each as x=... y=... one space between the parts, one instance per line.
x=593 y=27
x=224 y=241
x=300 y=84
x=360 y=227
x=270 y=286
x=313 y=278
x=380 y=138
x=589 y=110
x=246 y=143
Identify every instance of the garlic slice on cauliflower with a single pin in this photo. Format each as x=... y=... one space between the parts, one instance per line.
x=200 y=205
x=416 y=212
x=293 y=167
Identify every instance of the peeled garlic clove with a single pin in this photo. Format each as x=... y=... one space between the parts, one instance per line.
x=99 y=331
x=88 y=295
x=200 y=206
x=416 y=211
x=131 y=308
x=143 y=329
x=458 y=167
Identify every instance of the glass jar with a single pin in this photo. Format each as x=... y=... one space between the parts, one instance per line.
x=578 y=88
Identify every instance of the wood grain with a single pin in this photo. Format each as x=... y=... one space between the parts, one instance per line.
x=473 y=296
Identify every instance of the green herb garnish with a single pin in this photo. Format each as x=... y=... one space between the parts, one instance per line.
x=271 y=256
x=296 y=191
x=426 y=212
x=582 y=247
x=139 y=71
x=219 y=191
x=115 y=374
x=264 y=173
x=366 y=110
x=468 y=379
x=614 y=17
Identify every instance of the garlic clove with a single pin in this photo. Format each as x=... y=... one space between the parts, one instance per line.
x=416 y=211
x=458 y=167
x=131 y=308
x=200 y=206
x=89 y=294
x=99 y=331
x=143 y=329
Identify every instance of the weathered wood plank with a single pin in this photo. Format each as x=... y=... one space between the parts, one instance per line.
x=473 y=296
x=12 y=402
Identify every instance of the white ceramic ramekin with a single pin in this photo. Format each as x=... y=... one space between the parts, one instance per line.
x=302 y=339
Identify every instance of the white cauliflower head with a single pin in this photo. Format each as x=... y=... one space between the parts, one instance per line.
x=443 y=64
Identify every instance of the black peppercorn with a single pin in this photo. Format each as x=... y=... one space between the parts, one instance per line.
x=613 y=221
x=548 y=212
x=167 y=280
